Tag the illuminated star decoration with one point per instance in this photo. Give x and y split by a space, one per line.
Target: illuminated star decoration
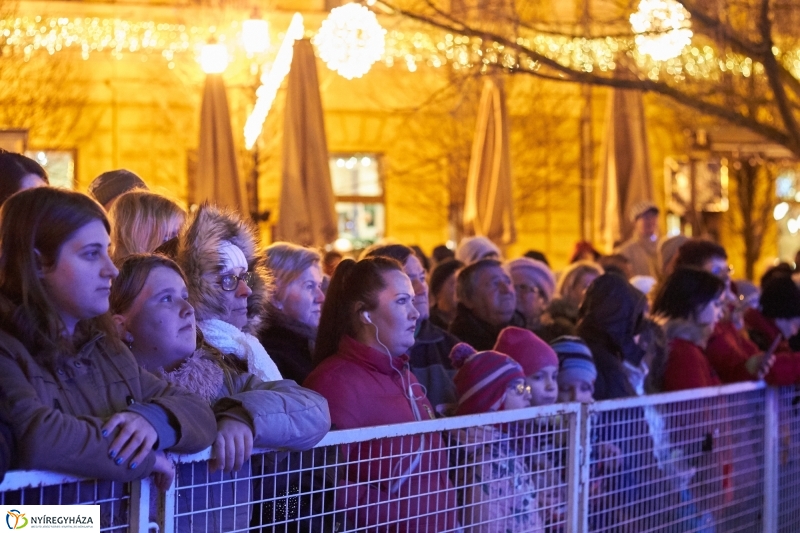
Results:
662 28
350 40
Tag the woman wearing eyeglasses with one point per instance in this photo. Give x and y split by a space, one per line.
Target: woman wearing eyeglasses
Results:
218 252
228 289
499 491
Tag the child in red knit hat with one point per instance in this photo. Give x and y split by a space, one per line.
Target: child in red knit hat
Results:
538 361
498 490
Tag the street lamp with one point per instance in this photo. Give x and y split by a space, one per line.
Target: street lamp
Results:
214 57
255 34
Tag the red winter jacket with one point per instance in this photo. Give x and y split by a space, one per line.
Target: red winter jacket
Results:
687 366
762 330
728 351
398 484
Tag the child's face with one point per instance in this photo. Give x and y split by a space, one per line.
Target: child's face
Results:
544 387
575 390
518 396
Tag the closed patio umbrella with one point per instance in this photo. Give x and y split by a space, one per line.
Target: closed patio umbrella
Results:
217 180
488 210
625 176
307 213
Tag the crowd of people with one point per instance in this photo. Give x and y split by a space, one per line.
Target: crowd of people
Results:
130 328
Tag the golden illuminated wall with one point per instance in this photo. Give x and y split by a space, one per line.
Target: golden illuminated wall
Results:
138 113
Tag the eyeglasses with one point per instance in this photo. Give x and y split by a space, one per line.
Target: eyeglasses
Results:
723 272
229 282
521 388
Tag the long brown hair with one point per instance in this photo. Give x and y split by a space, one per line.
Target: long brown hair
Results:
133 273
354 288
40 221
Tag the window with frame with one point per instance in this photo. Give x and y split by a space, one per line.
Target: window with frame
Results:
360 206
59 164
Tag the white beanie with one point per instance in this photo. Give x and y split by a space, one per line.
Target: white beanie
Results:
473 249
231 257
644 284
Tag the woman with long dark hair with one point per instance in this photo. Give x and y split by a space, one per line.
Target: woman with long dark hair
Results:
18 173
688 305
367 326
69 384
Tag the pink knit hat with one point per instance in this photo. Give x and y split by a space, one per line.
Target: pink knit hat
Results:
482 378
527 349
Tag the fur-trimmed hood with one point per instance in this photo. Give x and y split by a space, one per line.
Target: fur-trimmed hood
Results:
198 255
678 328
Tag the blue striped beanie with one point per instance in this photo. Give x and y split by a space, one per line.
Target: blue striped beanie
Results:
575 361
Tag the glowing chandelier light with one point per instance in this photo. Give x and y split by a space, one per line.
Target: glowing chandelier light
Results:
350 40
271 81
662 28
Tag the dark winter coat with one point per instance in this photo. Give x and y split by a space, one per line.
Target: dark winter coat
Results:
479 334
611 316
288 343
430 362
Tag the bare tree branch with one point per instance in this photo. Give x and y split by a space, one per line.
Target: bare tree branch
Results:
568 74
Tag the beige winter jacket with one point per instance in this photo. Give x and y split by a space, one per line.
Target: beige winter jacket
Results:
57 414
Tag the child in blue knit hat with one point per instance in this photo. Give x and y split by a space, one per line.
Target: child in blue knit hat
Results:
576 370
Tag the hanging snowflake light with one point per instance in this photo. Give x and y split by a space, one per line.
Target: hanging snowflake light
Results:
662 28
350 40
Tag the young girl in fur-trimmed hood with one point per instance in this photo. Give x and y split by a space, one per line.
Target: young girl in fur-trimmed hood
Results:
228 285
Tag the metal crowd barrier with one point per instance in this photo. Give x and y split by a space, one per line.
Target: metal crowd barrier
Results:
712 460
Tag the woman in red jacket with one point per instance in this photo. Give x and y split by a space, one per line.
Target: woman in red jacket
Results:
688 305
367 325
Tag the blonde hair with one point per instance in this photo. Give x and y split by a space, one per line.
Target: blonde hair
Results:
286 261
141 221
573 274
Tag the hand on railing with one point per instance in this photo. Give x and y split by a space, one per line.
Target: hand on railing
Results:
163 472
233 446
135 439
759 365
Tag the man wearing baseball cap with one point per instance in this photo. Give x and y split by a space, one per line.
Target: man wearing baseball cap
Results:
642 248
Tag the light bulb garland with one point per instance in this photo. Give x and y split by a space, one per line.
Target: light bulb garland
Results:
405 49
350 40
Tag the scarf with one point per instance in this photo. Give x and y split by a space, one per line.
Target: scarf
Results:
197 374
231 340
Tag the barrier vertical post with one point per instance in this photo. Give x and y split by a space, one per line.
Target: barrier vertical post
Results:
574 471
771 454
140 506
580 496
166 508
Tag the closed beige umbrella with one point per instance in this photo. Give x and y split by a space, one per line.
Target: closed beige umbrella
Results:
625 177
488 210
307 213
217 180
